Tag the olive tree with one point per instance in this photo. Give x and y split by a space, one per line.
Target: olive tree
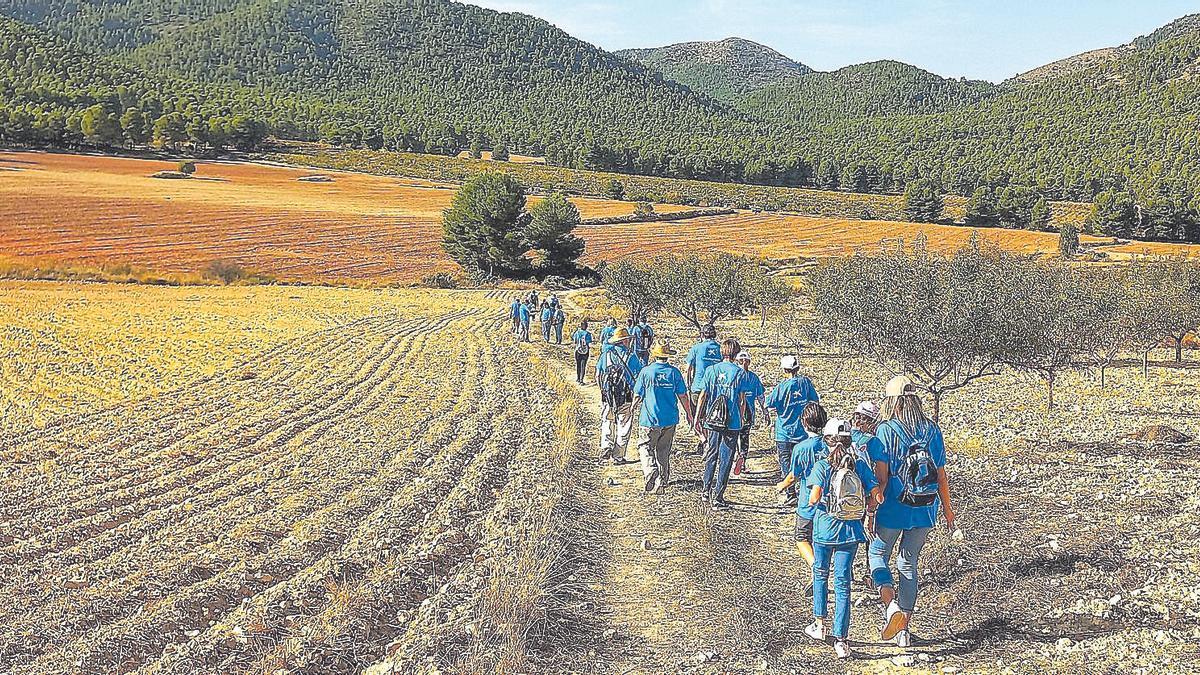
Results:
632 283
702 289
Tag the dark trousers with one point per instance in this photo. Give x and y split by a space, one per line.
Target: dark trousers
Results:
784 450
718 461
580 366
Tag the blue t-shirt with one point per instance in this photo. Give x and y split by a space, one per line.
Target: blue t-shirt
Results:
729 379
700 357
756 392
639 338
523 313
547 314
606 333
514 309
866 445
894 440
658 385
788 399
826 528
582 338
619 352
804 457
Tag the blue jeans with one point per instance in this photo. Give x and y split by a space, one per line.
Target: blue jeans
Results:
721 448
842 558
784 450
880 553
546 331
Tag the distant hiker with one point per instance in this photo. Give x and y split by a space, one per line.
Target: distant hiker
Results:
721 412
703 354
533 299
643 337
843 488
862 433
514 313
804 458
547 316
582 339
616 370
911 462
788 399
657 395
557 319
523 316
755 396
606 333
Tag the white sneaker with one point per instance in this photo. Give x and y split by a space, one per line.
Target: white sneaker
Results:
816 631
841 649
904 639
894 621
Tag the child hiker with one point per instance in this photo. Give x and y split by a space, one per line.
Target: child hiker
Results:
843 488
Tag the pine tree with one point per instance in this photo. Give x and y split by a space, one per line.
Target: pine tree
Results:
1068 240
923 201
482 227
551 233
981 208
1039 215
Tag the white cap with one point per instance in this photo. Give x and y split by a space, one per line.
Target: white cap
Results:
836 427
789 362
899 385
742 356
867 409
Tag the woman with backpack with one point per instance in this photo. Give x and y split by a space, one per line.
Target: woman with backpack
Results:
559 318
910 461
843 488
582 339
616 371
722 413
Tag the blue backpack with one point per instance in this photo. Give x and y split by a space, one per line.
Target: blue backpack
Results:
918 473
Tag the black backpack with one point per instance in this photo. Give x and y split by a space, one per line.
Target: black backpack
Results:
918 474
615 390
718 415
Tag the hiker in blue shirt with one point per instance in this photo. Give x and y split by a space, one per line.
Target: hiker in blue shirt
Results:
606 333
910 461
722 411
862 434
547 315
514 313
616 371
703 354
841 502
755 397
788 399
657 395
582 339
523 316
643 338
557 319
804 457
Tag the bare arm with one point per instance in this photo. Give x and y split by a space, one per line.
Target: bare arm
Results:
881 476
787 482
814 497
691 375
686 402
699 414
944 493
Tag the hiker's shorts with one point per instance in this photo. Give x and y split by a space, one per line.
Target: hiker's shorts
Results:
804 529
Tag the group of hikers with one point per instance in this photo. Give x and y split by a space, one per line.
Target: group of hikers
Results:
548 312
877 478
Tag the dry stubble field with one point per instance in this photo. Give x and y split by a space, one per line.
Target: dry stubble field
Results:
93 210
382 479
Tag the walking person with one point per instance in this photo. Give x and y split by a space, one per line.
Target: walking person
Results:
863 422
910 461
524 315
643 338
547 317
616 370
700 357
788 400
657 395
582 339
804 457
514 313
721 411
558 318
843 489
755 396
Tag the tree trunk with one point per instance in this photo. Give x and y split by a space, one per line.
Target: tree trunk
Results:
1050 392
937 403
1146 365
1102 369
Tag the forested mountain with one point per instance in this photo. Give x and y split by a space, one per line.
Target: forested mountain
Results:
438 76
878 88
726 69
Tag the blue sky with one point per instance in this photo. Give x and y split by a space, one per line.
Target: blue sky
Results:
983 39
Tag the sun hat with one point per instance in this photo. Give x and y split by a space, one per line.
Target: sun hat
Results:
836 427
662 351
867 409
789 362
899 386
742 356
619 335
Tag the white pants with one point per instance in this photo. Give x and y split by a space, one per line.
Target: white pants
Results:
615 430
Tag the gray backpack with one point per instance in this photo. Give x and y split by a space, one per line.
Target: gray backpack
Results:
846 498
